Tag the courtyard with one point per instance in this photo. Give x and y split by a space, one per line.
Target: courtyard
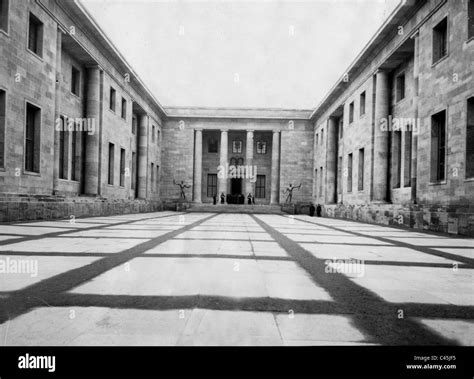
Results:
170 278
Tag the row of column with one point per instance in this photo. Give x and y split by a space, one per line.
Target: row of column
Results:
93 141
224 159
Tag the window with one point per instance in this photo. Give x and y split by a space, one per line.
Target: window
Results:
75 81
158 136
124 108
261 147
360 175
321 181
470 139
349 173
134 124
440 40
260 187
74 157
63 149
4 15
397 159
3 120
470 18
317 139
32 138
112 99
351 112
111 164
339 175
407 159
316 182
237 146
362 104
152 177
122 167
157 178
341 127
211 185
400 87
153 133
438 146
322 136
35 35
134 170
213 146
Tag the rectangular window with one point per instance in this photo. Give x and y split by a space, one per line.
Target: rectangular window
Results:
400 87
63 151
470 19
440 40
237 147
35 35
360 174
339 175
75 81
74 157
134 124
122 167
321 181
470 139
341 127
397 159
3 124
351 113
316 182
158 136
157 178
153 133
260 187
152 180
317 139
134 170
407 159
362 104
124 108
112 99
211 185
438 147
32 138
111 164
349 173
4 15
261 147
322 137
213 146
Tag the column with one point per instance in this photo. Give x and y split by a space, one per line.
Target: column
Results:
275 188
249 185
381 138
142 156
416 128
222 184
331 161
197 185
57 111
91 185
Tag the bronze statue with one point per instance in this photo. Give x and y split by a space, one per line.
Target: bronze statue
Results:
182 187
289 191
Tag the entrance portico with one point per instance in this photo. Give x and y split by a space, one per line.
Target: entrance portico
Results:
236 162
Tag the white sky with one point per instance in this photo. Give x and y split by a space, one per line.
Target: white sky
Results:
285 54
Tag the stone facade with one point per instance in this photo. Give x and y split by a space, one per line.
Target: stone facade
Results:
388 144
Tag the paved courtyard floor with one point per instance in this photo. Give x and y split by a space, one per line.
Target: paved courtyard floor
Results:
232 279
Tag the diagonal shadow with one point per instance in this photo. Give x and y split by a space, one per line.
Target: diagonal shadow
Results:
422 249
371 314
75 230
32 296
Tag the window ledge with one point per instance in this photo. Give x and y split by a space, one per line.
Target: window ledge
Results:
31 173
469 40
35 55
2 31
466 180
441 182
442 59
78 97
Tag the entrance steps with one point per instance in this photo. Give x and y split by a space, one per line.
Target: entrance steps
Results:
236 208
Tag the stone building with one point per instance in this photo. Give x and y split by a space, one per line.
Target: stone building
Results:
392 142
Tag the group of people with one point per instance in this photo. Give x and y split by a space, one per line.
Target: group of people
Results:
250 199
